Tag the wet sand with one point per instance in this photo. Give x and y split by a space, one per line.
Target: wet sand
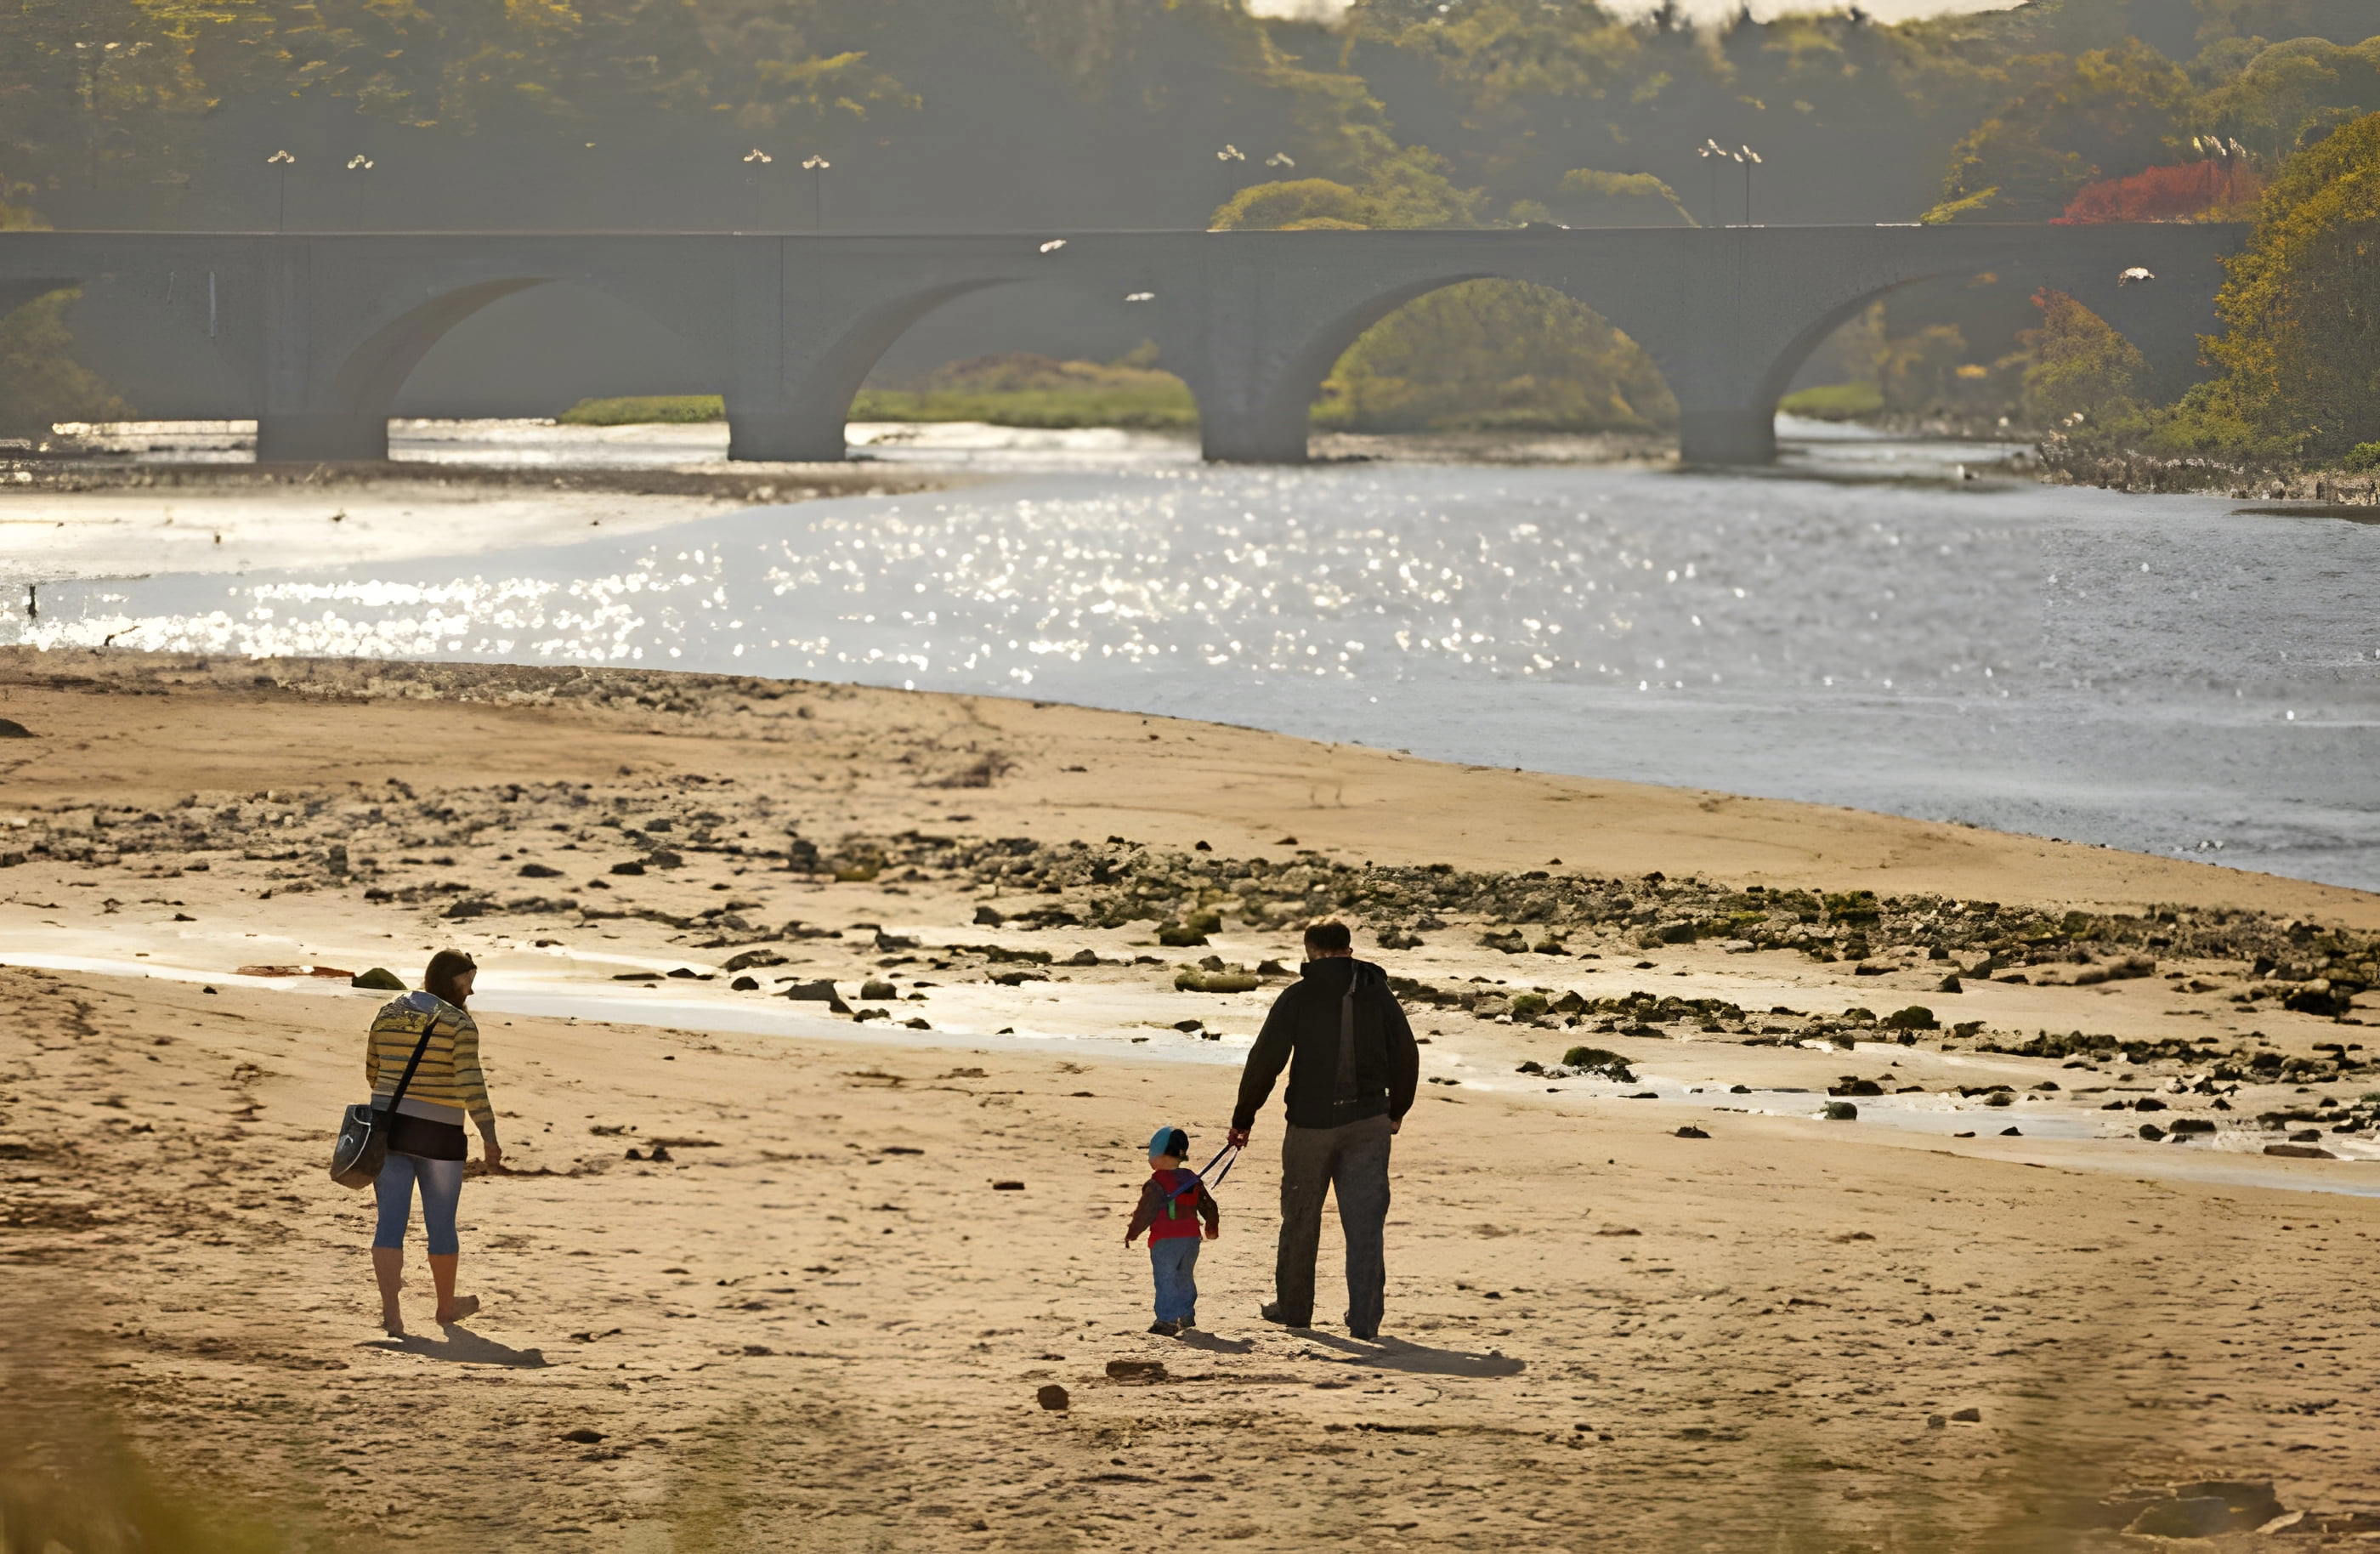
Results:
819 1324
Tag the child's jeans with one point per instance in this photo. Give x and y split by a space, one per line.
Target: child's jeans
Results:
1174 1261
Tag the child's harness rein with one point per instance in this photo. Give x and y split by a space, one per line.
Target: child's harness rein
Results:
1198 1178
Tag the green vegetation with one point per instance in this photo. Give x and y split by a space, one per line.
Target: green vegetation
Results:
2078 368
1014 390
1834 402
2300 354
638 409
1499 355
68 1481
40 383
2298 358
2070 120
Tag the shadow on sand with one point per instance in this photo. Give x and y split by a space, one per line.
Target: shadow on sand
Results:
1395 1354
460 1346
1198 1338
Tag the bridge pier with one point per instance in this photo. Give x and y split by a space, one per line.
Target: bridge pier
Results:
1241 434
784 434
321 437
1727 434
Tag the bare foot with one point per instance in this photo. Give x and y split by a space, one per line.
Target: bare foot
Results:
464 1305
392 1322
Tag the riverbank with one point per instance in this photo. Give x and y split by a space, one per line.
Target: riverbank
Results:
785 1326
2148 472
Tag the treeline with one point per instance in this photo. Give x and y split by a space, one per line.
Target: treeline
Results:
922 113
1076 112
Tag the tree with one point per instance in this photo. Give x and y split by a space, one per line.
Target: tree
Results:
1588 198
2283 90
2106 113
2212 190
2300 354
1405 190
1496 354
40 383
2079 367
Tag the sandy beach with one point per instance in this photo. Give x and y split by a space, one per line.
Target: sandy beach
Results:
754 1281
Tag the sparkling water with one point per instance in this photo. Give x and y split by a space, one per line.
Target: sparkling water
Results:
2163 674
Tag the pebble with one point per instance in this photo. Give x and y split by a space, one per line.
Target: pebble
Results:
1053 1398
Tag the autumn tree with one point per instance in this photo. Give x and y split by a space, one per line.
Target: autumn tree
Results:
2299 353
2105 114
2214 189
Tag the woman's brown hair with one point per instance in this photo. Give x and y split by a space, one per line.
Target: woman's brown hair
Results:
446 969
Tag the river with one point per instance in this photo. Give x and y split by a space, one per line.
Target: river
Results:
1865 628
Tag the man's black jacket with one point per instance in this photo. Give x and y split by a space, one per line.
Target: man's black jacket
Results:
1303 1031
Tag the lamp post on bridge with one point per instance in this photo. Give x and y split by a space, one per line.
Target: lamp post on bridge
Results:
1713 152
816 166
1225 159
281 161
359 164
1710 150
754 160
2227 155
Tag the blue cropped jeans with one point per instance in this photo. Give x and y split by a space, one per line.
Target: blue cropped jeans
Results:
1174 1262
441 1189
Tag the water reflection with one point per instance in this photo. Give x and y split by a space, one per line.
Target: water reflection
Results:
2149 673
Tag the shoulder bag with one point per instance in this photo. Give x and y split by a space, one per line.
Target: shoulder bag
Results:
362 1145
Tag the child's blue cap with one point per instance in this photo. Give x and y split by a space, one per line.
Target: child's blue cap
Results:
1169 1141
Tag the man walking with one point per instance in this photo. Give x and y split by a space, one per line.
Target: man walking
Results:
1351 1070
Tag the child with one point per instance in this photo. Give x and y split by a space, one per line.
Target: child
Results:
1172 1204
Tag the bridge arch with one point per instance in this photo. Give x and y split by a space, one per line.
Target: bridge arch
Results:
2162 325
1265 417
1258 408
798 413
333 404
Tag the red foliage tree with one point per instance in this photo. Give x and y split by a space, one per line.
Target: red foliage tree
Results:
2186 191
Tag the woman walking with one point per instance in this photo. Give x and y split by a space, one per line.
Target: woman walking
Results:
426 1146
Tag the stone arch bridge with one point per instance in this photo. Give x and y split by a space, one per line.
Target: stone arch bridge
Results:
321 330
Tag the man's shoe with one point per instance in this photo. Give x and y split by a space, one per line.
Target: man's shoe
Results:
1273 1313
1165 1329
1371 1337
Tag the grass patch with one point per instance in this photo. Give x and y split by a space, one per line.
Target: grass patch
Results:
1834 402
1018 389
642 409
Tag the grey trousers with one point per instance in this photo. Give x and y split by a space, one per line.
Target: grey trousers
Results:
1353 1160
